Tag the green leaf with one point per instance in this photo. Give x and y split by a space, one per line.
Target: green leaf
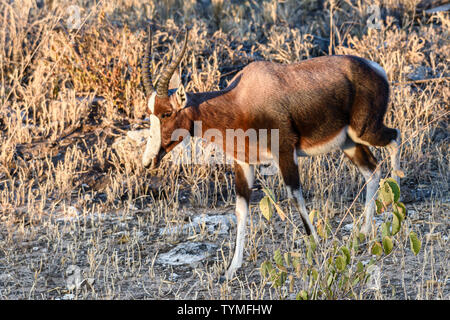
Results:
346 252
323 228
355 244
380 207
414 242
278 258
287 258
315 274
398 211
361 237
330 261
340 263
266 269
394 187
309 256
385 229
401 209
377 249
359 267
330 280
266 208
302 295
396 224
272 199
385 194
387 244
312 243
270 194
280 279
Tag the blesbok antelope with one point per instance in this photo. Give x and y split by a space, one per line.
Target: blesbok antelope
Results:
317 105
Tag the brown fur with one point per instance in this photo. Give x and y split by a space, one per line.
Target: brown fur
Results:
309 102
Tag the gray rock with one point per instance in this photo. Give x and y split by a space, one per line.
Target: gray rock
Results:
379 219
139 136
418 73
442 8
129 148
187 253
212 224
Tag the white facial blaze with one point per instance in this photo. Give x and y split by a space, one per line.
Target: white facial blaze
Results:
153 141
151 103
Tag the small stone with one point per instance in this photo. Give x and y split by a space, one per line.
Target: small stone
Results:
139 136
72 211
418 73
187 253
212 224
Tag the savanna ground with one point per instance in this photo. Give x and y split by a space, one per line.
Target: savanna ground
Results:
73 194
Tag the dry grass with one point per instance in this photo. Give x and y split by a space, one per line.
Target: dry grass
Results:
73 191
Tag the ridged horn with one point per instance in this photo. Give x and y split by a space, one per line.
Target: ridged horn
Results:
162 89
146 66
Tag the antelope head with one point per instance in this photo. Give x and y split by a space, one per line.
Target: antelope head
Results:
163 105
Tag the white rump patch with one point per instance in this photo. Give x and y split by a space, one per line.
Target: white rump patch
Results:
153 141
151 103
378 69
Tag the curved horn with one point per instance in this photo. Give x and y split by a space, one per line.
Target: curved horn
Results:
162 89
146 65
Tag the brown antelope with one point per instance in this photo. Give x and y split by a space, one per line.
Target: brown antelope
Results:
317 105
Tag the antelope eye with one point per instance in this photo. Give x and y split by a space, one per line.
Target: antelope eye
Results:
166 115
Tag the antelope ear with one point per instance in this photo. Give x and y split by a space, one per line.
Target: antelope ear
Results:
181 97
175 81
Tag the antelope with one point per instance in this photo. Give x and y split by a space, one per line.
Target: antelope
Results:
317 105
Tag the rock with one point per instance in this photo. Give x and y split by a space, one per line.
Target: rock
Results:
187 253
130 148
139 136
413 214
215 223
71 213
418 73
379 219
174 277
442 8
421 194
348 227
74 278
